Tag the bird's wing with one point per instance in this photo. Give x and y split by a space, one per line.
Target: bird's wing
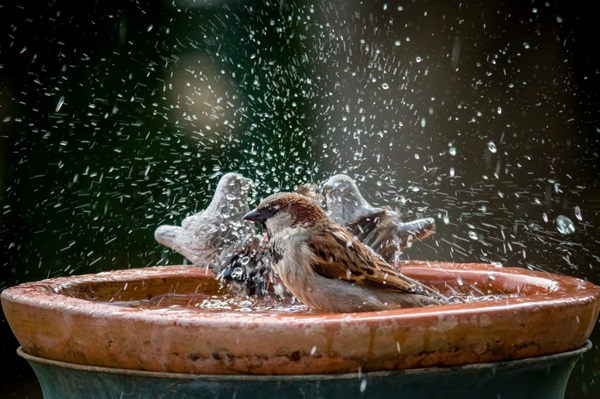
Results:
387 235
352 261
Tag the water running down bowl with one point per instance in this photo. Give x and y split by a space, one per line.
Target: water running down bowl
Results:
87 320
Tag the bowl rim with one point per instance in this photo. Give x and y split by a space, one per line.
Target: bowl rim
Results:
101 334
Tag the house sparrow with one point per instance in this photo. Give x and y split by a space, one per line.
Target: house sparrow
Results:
324 266
211 237
250 273
380 228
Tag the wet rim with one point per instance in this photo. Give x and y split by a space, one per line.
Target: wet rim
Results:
534 289
53 325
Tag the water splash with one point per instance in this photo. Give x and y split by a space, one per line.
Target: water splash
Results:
215 303
578 214
564 225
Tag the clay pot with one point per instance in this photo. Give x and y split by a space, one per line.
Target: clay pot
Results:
88 320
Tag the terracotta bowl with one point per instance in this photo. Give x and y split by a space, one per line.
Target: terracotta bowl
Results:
90 320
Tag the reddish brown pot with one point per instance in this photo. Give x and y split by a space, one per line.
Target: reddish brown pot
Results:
71 319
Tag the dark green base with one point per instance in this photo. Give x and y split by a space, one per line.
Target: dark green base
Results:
541 378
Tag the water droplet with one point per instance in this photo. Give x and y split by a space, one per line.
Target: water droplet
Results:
237 273
363 385
492 147
398 42
545 217
60 103
564 225
578 214
452 151
534 227
472 235
385 86
451 172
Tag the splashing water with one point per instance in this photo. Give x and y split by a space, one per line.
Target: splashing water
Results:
564 225
215 304
137 131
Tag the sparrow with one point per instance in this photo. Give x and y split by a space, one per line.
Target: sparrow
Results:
326 267
249 272
210 238
381 229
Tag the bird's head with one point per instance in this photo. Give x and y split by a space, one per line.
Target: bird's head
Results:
286 210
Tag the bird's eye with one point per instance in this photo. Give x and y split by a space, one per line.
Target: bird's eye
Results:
271 210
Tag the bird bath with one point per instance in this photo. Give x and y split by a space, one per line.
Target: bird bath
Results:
104 333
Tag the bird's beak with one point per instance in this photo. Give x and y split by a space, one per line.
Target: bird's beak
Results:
255 216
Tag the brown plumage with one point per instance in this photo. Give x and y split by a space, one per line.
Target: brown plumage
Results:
323 265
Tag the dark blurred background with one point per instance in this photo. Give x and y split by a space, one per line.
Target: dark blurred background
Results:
118 116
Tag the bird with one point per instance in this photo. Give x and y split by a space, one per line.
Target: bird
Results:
381 229
249 272
327 268
210 238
